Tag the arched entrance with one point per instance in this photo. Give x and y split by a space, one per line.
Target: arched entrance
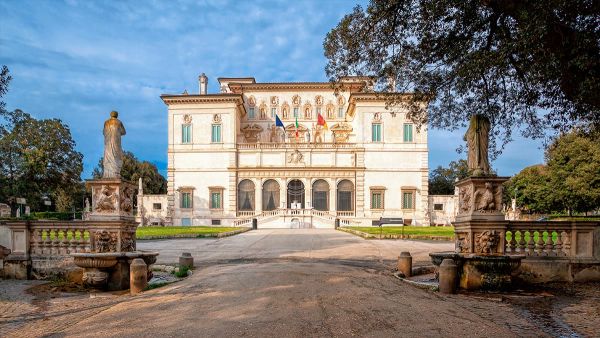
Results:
295 193
270 195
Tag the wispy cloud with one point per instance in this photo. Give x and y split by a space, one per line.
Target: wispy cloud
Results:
78 60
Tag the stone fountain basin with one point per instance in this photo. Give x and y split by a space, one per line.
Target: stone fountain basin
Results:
104 260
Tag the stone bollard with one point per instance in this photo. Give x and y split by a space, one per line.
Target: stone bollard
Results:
405 263
138 276
186 259
447 276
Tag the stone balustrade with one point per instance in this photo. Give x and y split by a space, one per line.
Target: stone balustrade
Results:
43 248
345 213
266 145
578 239
51 238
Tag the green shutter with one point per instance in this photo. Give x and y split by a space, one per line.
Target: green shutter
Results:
186 133
408 133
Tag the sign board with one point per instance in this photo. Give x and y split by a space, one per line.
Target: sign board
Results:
27 211
21 200
47 202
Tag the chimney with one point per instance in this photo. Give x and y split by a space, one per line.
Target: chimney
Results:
203 83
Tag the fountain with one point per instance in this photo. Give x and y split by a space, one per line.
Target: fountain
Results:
480 230
112 224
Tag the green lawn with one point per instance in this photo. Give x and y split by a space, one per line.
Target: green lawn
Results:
149 232
408 230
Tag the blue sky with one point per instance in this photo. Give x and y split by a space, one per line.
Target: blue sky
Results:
78 60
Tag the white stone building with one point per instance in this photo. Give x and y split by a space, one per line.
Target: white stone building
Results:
228 163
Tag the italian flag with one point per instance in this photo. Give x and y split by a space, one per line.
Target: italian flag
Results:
297 126
321 121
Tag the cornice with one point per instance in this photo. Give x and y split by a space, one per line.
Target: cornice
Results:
208 98
294 86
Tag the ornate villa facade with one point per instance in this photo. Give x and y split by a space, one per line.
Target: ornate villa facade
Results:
229 163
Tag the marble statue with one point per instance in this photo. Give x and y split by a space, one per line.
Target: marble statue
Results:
477 137
113 153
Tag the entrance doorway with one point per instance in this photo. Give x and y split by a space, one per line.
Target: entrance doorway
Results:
295 194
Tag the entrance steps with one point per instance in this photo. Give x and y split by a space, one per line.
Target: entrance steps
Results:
295 219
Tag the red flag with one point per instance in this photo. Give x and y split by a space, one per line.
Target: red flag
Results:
321 121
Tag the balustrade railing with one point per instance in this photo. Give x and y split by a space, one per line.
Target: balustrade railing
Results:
345 213
553 239
295 145
535 239
55 239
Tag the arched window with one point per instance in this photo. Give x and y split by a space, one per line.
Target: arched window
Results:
320 195
345 196
270 195
246 195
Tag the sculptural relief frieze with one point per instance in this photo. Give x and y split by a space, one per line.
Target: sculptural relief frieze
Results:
486 242
295 157
126 200
486 199
105 241
106 200
463 243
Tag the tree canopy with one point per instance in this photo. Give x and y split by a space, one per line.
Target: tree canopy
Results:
441 180
37 159
570 181
133 169
534 64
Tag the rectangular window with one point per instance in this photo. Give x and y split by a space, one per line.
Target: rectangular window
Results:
437 206
156 206
408 132
340 112
407 200
376 199
186 133
216 133
215 200
186 222
295 112
376 132
216 222
251 113
186 200
318 110
273 112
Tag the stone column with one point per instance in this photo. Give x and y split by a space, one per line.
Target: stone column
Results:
258 195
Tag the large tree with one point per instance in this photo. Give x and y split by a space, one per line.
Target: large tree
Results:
533 190
574 163
441 180
522 63
133 169
37 159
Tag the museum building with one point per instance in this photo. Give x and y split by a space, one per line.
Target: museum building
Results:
297 154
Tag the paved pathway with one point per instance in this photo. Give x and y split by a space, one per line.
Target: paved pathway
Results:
275 283
303 244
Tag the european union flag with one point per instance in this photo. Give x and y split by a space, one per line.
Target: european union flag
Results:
278 122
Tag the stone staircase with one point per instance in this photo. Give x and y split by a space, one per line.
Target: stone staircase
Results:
295 218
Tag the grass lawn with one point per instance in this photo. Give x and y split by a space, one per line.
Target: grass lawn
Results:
408 230
149 232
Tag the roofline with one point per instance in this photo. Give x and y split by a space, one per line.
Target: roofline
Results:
198 98
229 79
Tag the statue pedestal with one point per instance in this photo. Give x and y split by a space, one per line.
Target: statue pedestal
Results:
480 198
112 200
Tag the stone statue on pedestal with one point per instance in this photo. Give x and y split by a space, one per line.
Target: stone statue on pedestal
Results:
113 153
477 138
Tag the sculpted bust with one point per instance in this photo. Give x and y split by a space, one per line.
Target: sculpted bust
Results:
113 153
